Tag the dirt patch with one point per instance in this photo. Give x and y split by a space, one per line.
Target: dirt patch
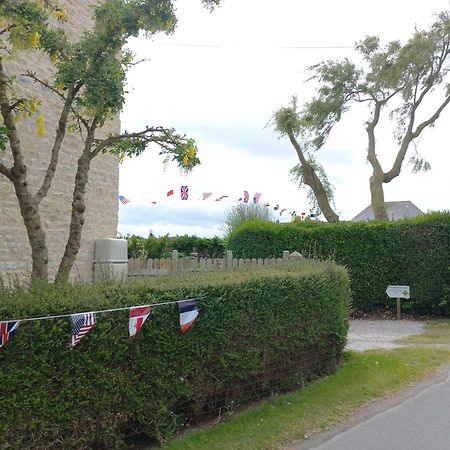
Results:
369 334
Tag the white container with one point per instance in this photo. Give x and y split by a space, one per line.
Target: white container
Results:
111 259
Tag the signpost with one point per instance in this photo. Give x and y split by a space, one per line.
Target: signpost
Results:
398 292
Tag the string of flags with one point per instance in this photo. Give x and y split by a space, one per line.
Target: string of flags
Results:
82 323
184 195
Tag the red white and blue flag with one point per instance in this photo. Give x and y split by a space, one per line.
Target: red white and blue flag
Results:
6 329
184 193
188 313
169 193
81 325
123 199
256 198
138 315
246 196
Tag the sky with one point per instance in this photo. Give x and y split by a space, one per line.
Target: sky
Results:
220 77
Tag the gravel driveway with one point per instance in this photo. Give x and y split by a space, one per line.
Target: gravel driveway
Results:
367 334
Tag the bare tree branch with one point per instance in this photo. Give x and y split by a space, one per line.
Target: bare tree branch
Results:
59 138
6 172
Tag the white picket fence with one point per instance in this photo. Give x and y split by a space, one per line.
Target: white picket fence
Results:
141 267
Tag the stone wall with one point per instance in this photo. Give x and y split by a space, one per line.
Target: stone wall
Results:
101 200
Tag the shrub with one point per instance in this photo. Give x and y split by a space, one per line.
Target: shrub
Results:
413 252
259 331
161 247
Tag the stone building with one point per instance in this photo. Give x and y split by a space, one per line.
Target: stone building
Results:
101 199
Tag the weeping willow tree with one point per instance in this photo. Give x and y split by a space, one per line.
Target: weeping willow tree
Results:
287 122
408 84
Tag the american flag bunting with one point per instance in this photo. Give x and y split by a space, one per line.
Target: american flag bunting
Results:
81 325
123 199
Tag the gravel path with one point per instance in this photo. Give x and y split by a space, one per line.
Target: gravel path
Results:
367 334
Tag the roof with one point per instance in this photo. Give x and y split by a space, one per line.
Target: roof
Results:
395 211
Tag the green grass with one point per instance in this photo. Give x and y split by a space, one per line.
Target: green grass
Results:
279 421
436 333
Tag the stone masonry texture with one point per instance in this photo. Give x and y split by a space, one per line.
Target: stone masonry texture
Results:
101 199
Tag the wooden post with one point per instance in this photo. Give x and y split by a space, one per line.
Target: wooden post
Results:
174 261
229 259
285 255
399 311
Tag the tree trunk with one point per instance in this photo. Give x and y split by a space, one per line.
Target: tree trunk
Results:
77 217
377 198
312 180
29 210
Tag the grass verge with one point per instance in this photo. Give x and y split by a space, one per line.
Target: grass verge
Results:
436 333
279 421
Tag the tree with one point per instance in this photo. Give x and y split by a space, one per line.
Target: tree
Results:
287 121
395 79
89 82
243 212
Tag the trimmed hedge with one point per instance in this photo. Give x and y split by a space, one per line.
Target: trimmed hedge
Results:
259 331
411 252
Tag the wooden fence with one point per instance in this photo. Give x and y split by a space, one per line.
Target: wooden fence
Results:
142 267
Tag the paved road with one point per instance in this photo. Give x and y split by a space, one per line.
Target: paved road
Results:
418 419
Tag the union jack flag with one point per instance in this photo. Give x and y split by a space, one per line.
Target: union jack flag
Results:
81 325
6 329
184 193
123 199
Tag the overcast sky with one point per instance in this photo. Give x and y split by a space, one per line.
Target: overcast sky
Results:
220 77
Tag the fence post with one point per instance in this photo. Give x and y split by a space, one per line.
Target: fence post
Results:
285 256
229 259
174 261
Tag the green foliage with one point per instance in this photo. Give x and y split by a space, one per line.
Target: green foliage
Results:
413 252
243 212
408 73
108 388
161 247
297 174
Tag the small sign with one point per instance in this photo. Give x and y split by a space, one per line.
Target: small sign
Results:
398 291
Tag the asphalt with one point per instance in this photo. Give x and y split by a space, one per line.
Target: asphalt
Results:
416 419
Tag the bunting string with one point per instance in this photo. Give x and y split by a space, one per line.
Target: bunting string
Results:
60 316
184 194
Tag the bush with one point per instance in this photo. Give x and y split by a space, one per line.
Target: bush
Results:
259 331
413 252
161 247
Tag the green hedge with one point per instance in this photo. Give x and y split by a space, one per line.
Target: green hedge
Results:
377 254
259 331
161 247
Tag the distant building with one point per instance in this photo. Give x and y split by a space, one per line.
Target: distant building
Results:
395 211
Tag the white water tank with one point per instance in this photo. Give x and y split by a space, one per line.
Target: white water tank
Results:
111 259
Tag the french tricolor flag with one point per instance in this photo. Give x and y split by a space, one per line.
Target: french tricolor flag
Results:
138 314
188 313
